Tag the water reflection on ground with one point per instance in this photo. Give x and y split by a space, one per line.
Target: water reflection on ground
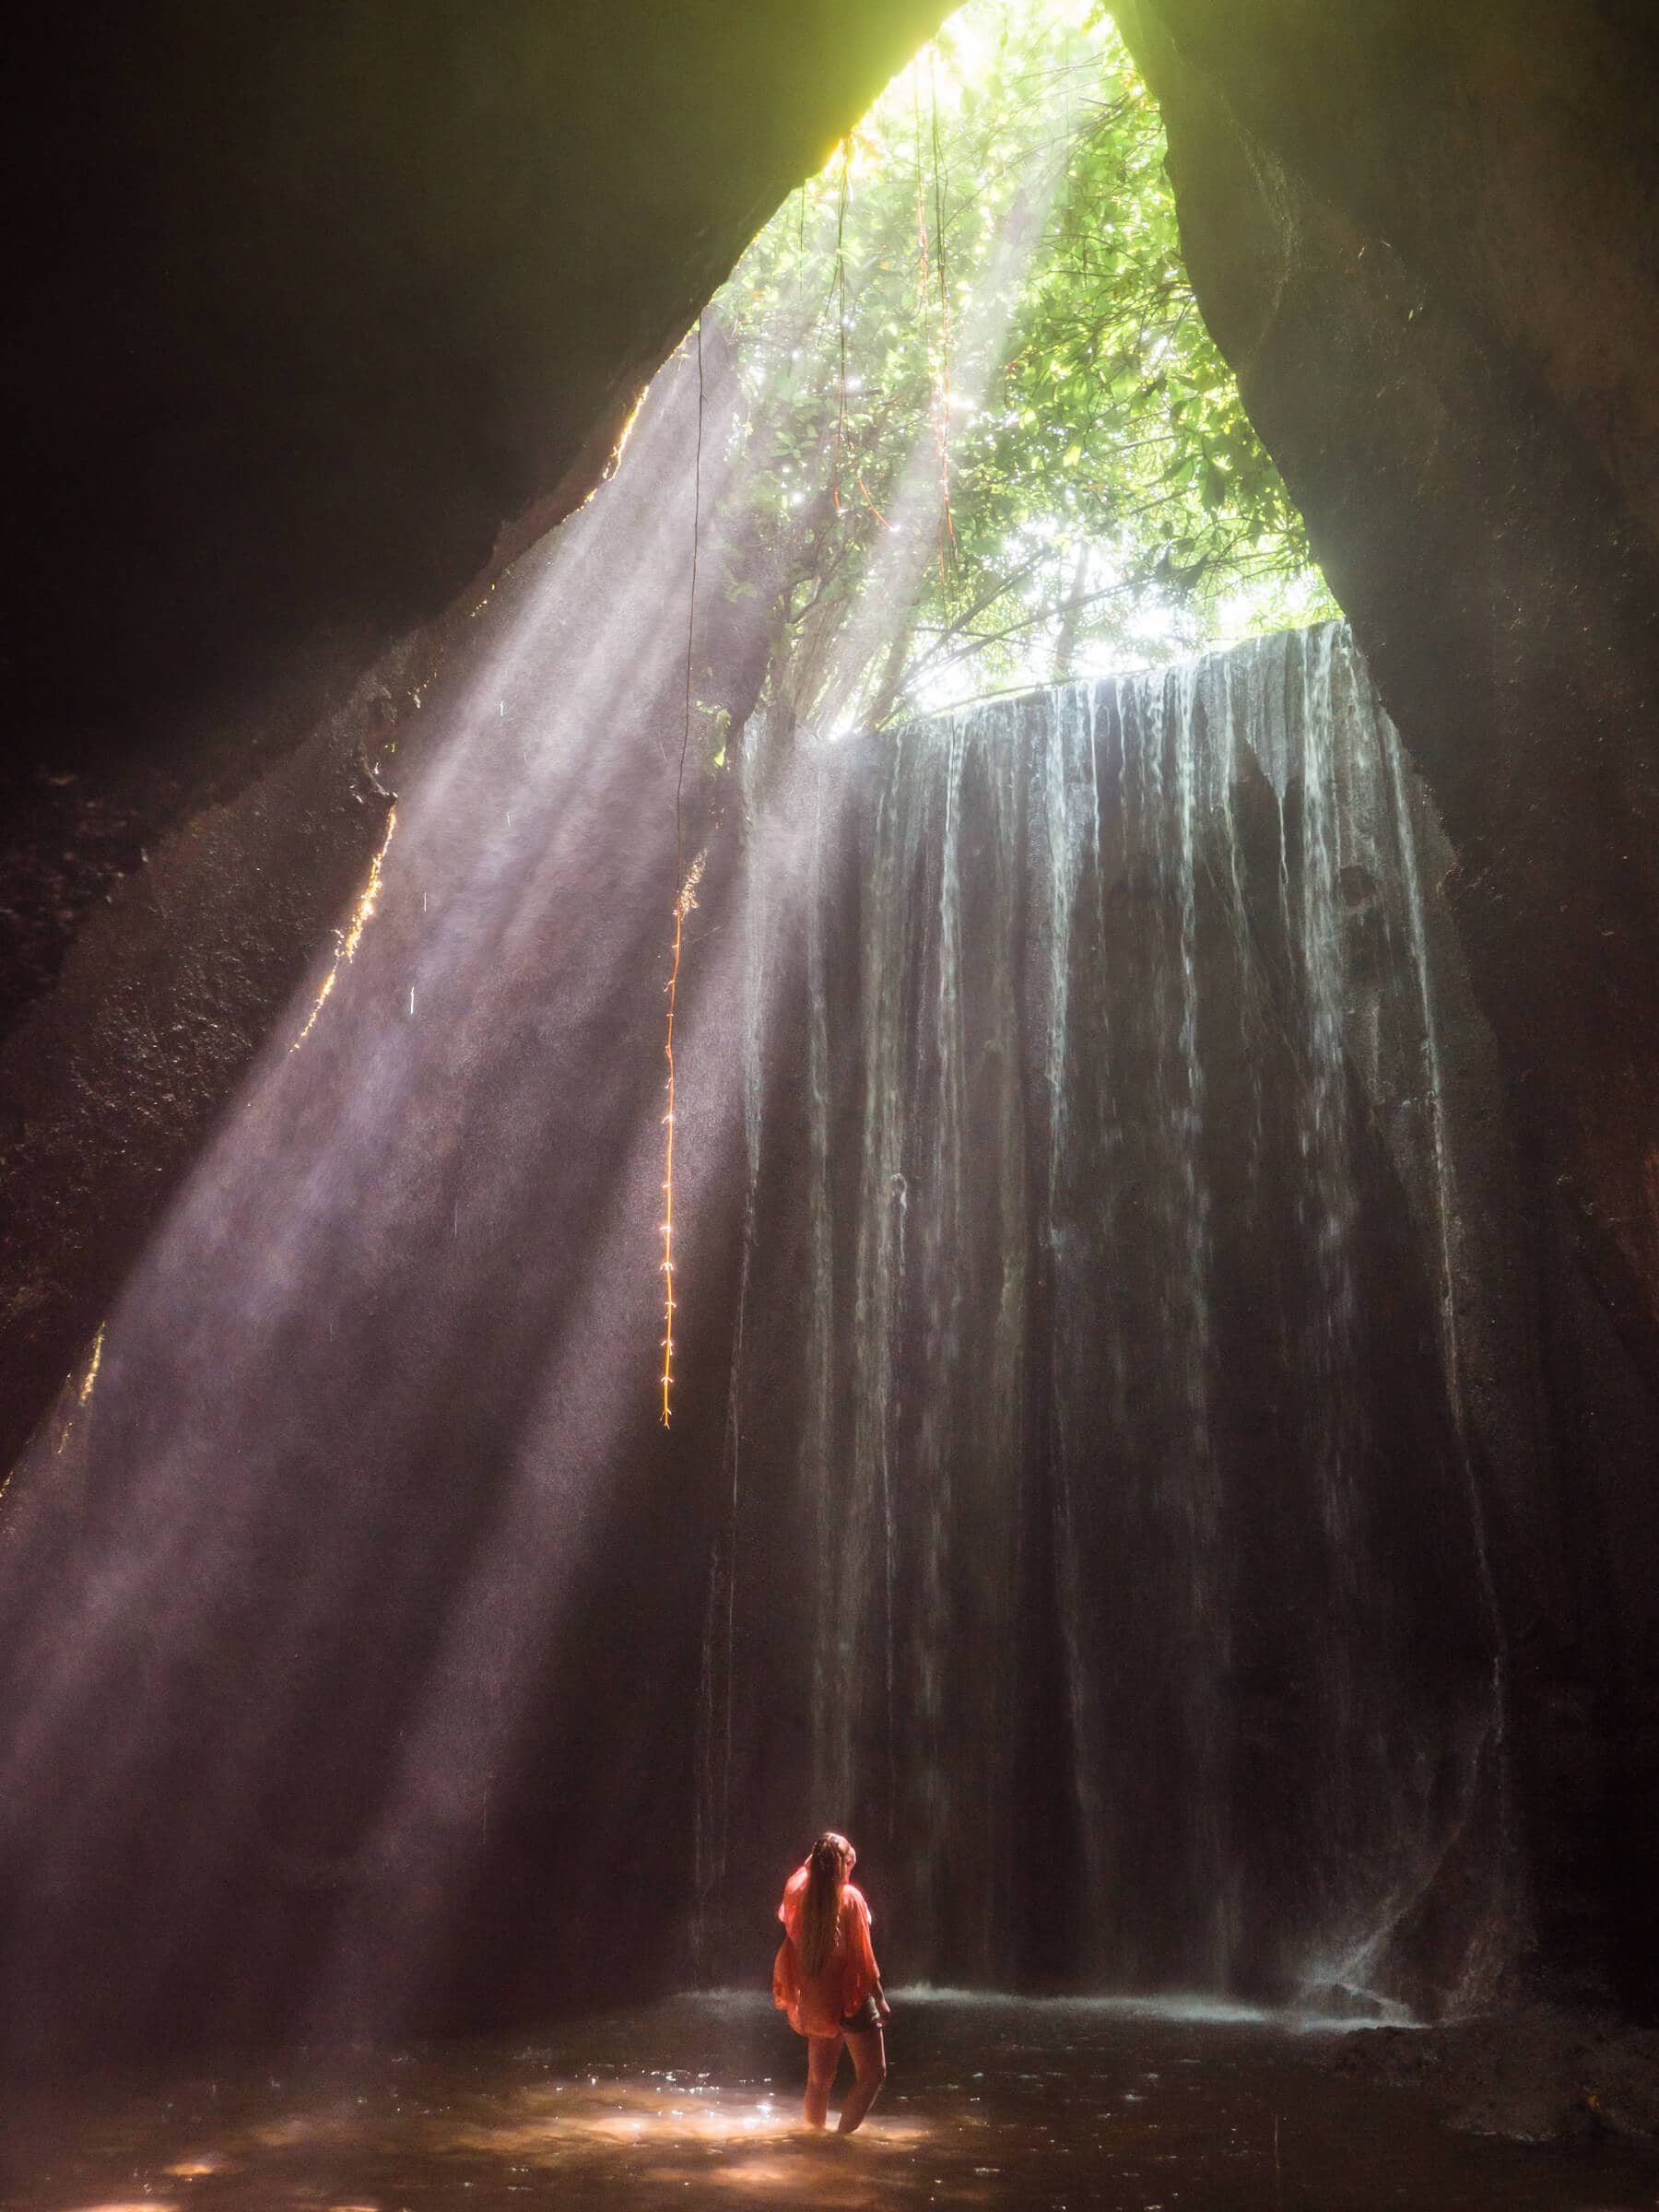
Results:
695 2102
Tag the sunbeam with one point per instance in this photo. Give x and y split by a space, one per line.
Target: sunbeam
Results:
384 1528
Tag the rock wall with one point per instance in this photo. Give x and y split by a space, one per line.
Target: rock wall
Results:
315 317
1425 240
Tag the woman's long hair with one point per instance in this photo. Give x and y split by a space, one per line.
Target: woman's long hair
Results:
827 1865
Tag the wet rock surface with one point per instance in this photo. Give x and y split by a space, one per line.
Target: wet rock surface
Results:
695 2102
1453 361
1544 2074
1425 243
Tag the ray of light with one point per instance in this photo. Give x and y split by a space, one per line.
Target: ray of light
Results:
916 523
364 1427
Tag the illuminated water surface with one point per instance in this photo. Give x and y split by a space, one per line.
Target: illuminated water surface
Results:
694 2101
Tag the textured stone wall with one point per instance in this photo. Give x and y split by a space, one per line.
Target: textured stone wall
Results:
315 316
1426 240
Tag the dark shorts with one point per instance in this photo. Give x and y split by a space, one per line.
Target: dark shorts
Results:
862 2021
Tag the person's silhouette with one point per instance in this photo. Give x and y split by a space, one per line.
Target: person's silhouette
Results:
825 1977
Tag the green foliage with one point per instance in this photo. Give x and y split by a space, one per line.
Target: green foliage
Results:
978 392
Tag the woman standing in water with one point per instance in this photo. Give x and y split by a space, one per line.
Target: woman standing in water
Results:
825 1977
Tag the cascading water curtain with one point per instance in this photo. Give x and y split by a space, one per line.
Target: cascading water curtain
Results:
1106 1437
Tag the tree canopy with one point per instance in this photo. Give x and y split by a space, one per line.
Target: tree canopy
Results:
983 438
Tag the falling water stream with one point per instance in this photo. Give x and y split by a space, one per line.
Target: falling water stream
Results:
1143 1596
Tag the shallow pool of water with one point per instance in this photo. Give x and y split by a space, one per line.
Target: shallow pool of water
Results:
694 2101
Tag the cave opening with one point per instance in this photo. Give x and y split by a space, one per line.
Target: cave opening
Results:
1066 1429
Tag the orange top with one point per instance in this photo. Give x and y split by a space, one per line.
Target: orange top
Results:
817 2004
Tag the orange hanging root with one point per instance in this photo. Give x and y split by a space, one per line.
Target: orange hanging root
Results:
679 923
683 905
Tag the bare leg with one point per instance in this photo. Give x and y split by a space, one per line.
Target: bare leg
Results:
870 2060
823 2055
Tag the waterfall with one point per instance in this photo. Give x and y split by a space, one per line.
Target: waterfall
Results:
1109 1431
1076 1487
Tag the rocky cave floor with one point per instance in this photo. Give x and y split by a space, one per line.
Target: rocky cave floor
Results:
990 2101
